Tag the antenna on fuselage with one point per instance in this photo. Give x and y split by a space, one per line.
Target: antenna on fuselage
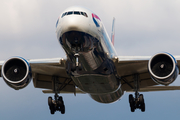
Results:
113 31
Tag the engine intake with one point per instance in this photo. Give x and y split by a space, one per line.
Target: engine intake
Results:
16 72
163 68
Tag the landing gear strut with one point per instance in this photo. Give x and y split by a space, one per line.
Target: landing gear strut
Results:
77 65
138 101
57 104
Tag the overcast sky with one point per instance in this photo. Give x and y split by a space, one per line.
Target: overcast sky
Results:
143 27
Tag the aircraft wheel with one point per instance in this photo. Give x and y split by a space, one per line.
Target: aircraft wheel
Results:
132 103
141 99
61 105
50 101
143 107
142 104
52 111
60 98
51 105
131 98
62 109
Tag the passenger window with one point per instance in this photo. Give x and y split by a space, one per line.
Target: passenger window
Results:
76 12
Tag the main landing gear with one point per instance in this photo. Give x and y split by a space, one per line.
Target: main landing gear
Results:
138 101
57 104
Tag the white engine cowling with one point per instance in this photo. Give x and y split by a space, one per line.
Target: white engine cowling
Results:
16 72
163 68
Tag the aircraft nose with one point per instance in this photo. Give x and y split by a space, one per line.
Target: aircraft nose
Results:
74 23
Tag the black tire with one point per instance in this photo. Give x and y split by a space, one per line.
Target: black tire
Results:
131 98
51 105
132 103
62 109
143 108
132 108
50 101
52 111
141 99
60 98
61 102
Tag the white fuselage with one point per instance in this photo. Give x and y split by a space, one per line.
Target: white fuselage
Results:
81 32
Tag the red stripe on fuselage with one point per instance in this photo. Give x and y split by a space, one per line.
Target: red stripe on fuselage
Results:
95 16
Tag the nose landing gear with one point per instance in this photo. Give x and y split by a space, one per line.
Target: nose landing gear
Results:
77 65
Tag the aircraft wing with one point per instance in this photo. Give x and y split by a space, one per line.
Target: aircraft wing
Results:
43 71
157 88
129 66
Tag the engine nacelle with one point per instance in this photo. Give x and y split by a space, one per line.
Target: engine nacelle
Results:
163 68
16 72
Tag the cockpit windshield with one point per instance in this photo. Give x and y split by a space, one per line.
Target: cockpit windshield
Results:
74 13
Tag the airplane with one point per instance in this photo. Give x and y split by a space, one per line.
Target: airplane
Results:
91 66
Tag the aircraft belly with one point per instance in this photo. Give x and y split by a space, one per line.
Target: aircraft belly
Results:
96 83
108 97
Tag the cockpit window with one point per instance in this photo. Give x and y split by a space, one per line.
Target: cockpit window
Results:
69 13
85 14
63 14
57 22
74 13
82 13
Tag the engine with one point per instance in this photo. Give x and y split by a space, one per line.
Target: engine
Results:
163 68
16 72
